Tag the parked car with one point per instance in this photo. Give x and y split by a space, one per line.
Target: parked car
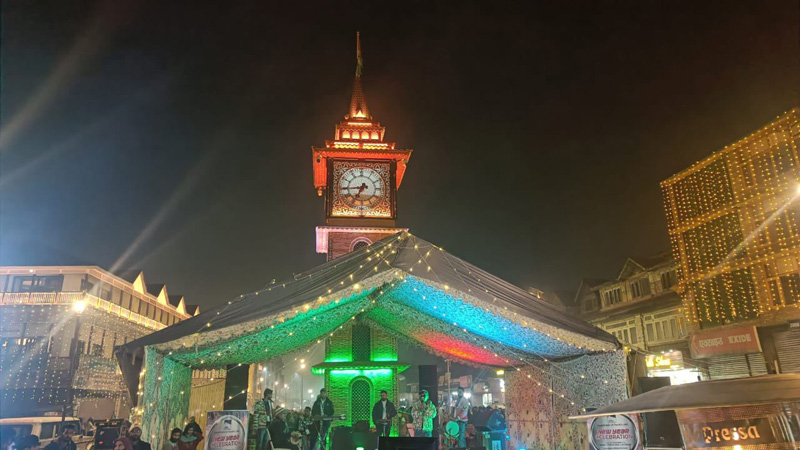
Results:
46 428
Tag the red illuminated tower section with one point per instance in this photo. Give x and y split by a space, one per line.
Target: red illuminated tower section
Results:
358 173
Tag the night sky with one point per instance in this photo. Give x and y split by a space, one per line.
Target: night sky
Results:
176 137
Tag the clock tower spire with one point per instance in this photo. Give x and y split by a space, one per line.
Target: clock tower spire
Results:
358 174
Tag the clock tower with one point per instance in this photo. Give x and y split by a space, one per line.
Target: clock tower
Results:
358 174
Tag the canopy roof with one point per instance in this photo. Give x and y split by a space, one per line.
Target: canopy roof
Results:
709 394
403 285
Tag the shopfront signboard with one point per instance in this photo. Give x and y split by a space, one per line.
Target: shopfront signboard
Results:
732 341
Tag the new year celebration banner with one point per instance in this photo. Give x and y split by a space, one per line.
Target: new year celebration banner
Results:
620 432
227 430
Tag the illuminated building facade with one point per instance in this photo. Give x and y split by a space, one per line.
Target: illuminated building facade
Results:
734 224
358 174
641 308
37 307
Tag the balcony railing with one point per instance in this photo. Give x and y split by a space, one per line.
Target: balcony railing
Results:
68 298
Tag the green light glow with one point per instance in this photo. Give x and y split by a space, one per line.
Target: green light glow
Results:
370 373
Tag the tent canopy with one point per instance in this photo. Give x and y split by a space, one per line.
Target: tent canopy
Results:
403 285
708 394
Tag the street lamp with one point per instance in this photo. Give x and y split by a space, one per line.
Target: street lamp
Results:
77 307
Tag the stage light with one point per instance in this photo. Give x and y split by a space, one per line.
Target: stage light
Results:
500 372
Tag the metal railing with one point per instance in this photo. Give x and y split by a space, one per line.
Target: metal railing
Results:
68 298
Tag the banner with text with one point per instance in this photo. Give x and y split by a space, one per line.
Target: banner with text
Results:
227 430
619 432
732 341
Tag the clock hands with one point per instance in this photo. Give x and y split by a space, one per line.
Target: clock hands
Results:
360 189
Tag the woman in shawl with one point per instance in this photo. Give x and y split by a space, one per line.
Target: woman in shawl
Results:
192 435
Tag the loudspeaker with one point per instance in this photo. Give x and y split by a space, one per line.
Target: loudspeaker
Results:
661 428
488 420
236 382
429 380
361 426
366 440
342 438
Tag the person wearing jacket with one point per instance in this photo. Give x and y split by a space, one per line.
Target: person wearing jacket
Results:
382 414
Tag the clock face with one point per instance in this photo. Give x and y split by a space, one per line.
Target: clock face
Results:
361 188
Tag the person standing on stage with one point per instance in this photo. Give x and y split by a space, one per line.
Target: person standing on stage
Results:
262 416
461 414
322 412
423 412
382 414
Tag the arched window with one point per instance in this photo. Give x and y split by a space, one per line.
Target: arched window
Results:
364 135
360 402
345 134
359 244
375 135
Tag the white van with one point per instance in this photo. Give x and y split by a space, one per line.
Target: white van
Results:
47 428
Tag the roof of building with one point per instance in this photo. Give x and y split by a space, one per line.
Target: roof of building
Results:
192 309
155 288
129 275
403 285
175 299
709 394
652 261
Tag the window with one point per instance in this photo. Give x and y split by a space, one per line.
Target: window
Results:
634 339
640 287
374 135
359 245
659 331
650 332
135 305
613 296
126 300
345 134
673 325
669 279
105 292
33 283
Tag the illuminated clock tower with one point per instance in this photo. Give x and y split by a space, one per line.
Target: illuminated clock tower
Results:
358 174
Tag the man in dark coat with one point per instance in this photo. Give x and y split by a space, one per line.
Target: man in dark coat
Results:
135 435
64 440
321 412
382 414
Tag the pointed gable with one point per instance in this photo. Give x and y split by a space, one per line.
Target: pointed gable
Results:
139 284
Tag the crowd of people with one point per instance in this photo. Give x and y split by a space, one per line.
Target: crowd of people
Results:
129 438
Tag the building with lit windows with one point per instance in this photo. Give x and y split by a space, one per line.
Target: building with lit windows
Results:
734 224
641 308
40 309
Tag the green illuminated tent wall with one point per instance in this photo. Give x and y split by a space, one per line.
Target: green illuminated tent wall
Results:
406 288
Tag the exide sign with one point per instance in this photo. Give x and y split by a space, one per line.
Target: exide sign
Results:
732 341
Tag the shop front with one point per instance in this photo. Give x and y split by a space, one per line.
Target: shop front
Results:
729 352
758 413
672 364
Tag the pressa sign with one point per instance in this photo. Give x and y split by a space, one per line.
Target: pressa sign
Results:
729 433
734 341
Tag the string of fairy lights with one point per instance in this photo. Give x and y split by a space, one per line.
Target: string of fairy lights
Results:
734 224
377 255
33 372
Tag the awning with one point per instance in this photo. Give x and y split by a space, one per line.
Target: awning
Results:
708 394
